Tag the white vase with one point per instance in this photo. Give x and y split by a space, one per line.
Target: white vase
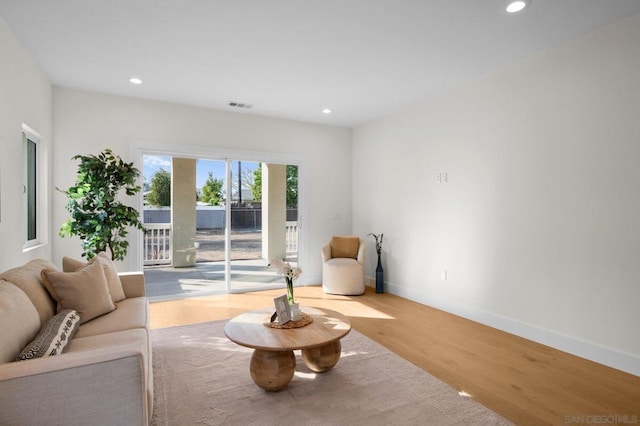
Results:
295 311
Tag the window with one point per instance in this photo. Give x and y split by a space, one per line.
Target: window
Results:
31 187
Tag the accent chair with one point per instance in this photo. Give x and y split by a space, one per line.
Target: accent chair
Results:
343 266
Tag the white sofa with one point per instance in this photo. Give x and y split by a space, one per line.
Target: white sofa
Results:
103 378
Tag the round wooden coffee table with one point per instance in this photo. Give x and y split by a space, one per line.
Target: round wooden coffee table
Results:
273 363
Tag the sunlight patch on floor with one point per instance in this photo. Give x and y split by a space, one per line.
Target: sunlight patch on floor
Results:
305 376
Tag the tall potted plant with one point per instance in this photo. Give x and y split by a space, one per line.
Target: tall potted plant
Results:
97 216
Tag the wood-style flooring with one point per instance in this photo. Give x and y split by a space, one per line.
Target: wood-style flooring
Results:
526 382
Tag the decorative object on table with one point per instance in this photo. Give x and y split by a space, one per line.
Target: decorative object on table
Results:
295 311
283 312
379 270
97 217
284 269
305 319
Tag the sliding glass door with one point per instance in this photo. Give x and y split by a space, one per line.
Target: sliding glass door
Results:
244 212
258 228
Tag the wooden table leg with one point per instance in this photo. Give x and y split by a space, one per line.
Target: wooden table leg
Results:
272 371
322 358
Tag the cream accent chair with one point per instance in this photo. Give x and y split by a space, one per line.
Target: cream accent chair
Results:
343 266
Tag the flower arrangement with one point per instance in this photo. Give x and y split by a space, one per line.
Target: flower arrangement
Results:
378 242
284 269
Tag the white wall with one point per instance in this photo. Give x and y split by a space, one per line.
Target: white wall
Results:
538 226
86 123
25 98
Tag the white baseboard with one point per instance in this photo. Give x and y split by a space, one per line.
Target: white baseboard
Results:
370 282
603 355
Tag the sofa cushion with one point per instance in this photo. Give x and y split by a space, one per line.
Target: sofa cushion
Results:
131 313
345 247
27 278
19 321
110 272
54 337
343 276
85 291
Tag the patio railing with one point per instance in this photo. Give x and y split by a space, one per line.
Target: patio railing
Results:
157 244
158 240
292 237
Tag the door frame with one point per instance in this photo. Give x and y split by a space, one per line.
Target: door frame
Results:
227 155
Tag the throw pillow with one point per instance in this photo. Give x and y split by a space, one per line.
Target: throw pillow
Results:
19 321
110 272
345 247
70 264
54 337
85 291
27 278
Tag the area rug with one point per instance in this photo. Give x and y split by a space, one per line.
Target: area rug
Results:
201 378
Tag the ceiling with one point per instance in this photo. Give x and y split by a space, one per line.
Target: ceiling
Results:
292 58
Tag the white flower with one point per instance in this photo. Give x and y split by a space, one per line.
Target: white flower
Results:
289 274
284 269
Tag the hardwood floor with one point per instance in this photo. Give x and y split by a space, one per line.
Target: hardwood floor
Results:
528 383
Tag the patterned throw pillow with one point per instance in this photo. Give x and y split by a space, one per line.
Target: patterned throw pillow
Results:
54 336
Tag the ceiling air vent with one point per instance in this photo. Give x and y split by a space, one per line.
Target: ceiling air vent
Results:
240 105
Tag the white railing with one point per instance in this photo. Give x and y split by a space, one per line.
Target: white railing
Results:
292 237
157 244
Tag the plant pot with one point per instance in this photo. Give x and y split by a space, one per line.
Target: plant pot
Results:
295 311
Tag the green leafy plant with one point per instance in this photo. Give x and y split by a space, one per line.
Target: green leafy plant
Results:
292 185
212 190
160 189
97 217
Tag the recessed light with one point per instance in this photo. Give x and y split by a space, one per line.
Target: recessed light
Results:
517 5
135 80
326 111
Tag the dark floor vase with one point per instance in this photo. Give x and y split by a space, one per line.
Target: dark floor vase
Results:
379 277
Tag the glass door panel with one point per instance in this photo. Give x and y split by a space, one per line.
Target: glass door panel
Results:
211 222
248 265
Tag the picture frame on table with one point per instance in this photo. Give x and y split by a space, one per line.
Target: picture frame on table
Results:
283 311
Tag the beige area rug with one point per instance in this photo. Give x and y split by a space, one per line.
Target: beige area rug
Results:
201 378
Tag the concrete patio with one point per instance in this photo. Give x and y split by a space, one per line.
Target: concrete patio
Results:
207 278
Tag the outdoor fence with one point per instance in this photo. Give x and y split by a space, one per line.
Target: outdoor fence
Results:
213 217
